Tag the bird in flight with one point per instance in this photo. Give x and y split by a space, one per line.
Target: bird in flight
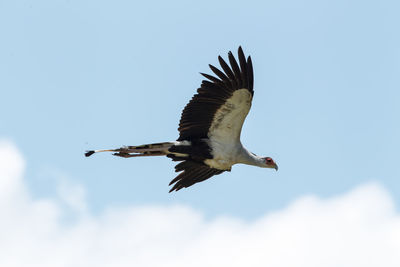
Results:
210 126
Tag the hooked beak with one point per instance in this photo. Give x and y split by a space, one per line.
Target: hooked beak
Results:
276 167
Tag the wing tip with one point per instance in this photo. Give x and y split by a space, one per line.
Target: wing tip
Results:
240 50
175 188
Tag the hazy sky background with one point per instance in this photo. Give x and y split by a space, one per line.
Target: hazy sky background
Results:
80 75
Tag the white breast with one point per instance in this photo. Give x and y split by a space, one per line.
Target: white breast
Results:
225 155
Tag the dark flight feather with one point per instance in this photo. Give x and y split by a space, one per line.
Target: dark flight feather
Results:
192 172
198 114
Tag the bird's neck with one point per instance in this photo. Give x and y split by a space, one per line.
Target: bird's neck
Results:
246 157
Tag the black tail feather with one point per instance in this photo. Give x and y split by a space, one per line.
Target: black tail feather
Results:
89 153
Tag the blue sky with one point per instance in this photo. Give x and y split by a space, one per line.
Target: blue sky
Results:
79 75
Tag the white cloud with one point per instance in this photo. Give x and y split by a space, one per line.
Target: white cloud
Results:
359 228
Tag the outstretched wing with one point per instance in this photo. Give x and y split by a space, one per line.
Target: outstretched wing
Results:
221 104
192 172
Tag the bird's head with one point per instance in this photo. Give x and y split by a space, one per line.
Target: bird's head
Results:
270 163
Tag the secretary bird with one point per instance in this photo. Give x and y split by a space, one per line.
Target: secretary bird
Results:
209 129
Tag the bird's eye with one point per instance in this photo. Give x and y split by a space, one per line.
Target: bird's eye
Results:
268 160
